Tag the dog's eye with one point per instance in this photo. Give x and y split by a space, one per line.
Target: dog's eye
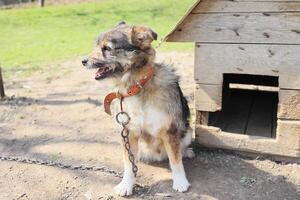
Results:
106 48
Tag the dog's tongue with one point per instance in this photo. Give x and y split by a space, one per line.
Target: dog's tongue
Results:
100 73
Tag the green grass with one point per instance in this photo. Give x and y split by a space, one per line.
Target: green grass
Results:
33 35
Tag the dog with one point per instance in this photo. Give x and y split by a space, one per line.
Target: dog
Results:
159 114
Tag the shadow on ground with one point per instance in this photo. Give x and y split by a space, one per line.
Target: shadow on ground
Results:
212 174
27 101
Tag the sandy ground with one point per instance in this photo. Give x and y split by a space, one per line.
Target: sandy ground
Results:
58 115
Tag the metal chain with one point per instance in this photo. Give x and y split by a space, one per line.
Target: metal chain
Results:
61 165
70 167
125 135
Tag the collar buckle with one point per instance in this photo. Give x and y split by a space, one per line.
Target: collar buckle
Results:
139 85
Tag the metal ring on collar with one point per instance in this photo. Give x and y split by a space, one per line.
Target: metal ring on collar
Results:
124 121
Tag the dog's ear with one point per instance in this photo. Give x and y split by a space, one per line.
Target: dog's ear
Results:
142 36
121 23
154 34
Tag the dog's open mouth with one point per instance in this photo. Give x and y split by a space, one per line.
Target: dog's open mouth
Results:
103 72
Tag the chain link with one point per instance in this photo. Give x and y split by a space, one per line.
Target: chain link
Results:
125 136
70 167
61 165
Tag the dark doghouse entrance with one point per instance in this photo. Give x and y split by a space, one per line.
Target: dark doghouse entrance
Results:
249 105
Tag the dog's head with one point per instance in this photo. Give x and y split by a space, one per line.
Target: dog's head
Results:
121 49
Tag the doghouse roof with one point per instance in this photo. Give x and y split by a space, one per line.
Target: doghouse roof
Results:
239 22
174 35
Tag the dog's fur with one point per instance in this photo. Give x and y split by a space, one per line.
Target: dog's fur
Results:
159 126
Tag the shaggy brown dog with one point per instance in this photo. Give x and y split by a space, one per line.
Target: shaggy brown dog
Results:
159 126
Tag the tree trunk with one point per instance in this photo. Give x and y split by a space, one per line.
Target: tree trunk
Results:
42 3
2 94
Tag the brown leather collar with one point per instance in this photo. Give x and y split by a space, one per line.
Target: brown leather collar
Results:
132 90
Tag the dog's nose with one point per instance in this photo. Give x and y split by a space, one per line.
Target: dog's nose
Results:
84 61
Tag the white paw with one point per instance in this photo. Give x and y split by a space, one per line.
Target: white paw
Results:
189 153
124 188
181 184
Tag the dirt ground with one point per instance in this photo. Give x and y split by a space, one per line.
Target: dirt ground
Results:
58 115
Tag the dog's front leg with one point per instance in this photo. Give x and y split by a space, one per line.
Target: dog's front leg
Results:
124 188
173 147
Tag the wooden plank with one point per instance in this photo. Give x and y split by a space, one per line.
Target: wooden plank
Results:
254 87
208 97
287 143
236 111
181 20
288 134
202 117
289 104
274 126
246 112
261 116
212 60
263 0
274 119
211 6
253 28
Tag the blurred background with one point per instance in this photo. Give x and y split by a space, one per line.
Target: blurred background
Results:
31 35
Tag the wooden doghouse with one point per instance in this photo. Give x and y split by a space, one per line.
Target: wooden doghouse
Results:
247 74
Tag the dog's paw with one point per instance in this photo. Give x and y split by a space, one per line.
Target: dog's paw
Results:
189 153
123 188
181 184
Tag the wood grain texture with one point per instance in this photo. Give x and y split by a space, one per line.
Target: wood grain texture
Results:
286 144
246 112
253 28
202 117
288 134
212 6
208 97
235 111
260 120
212 60
289 104
263 0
